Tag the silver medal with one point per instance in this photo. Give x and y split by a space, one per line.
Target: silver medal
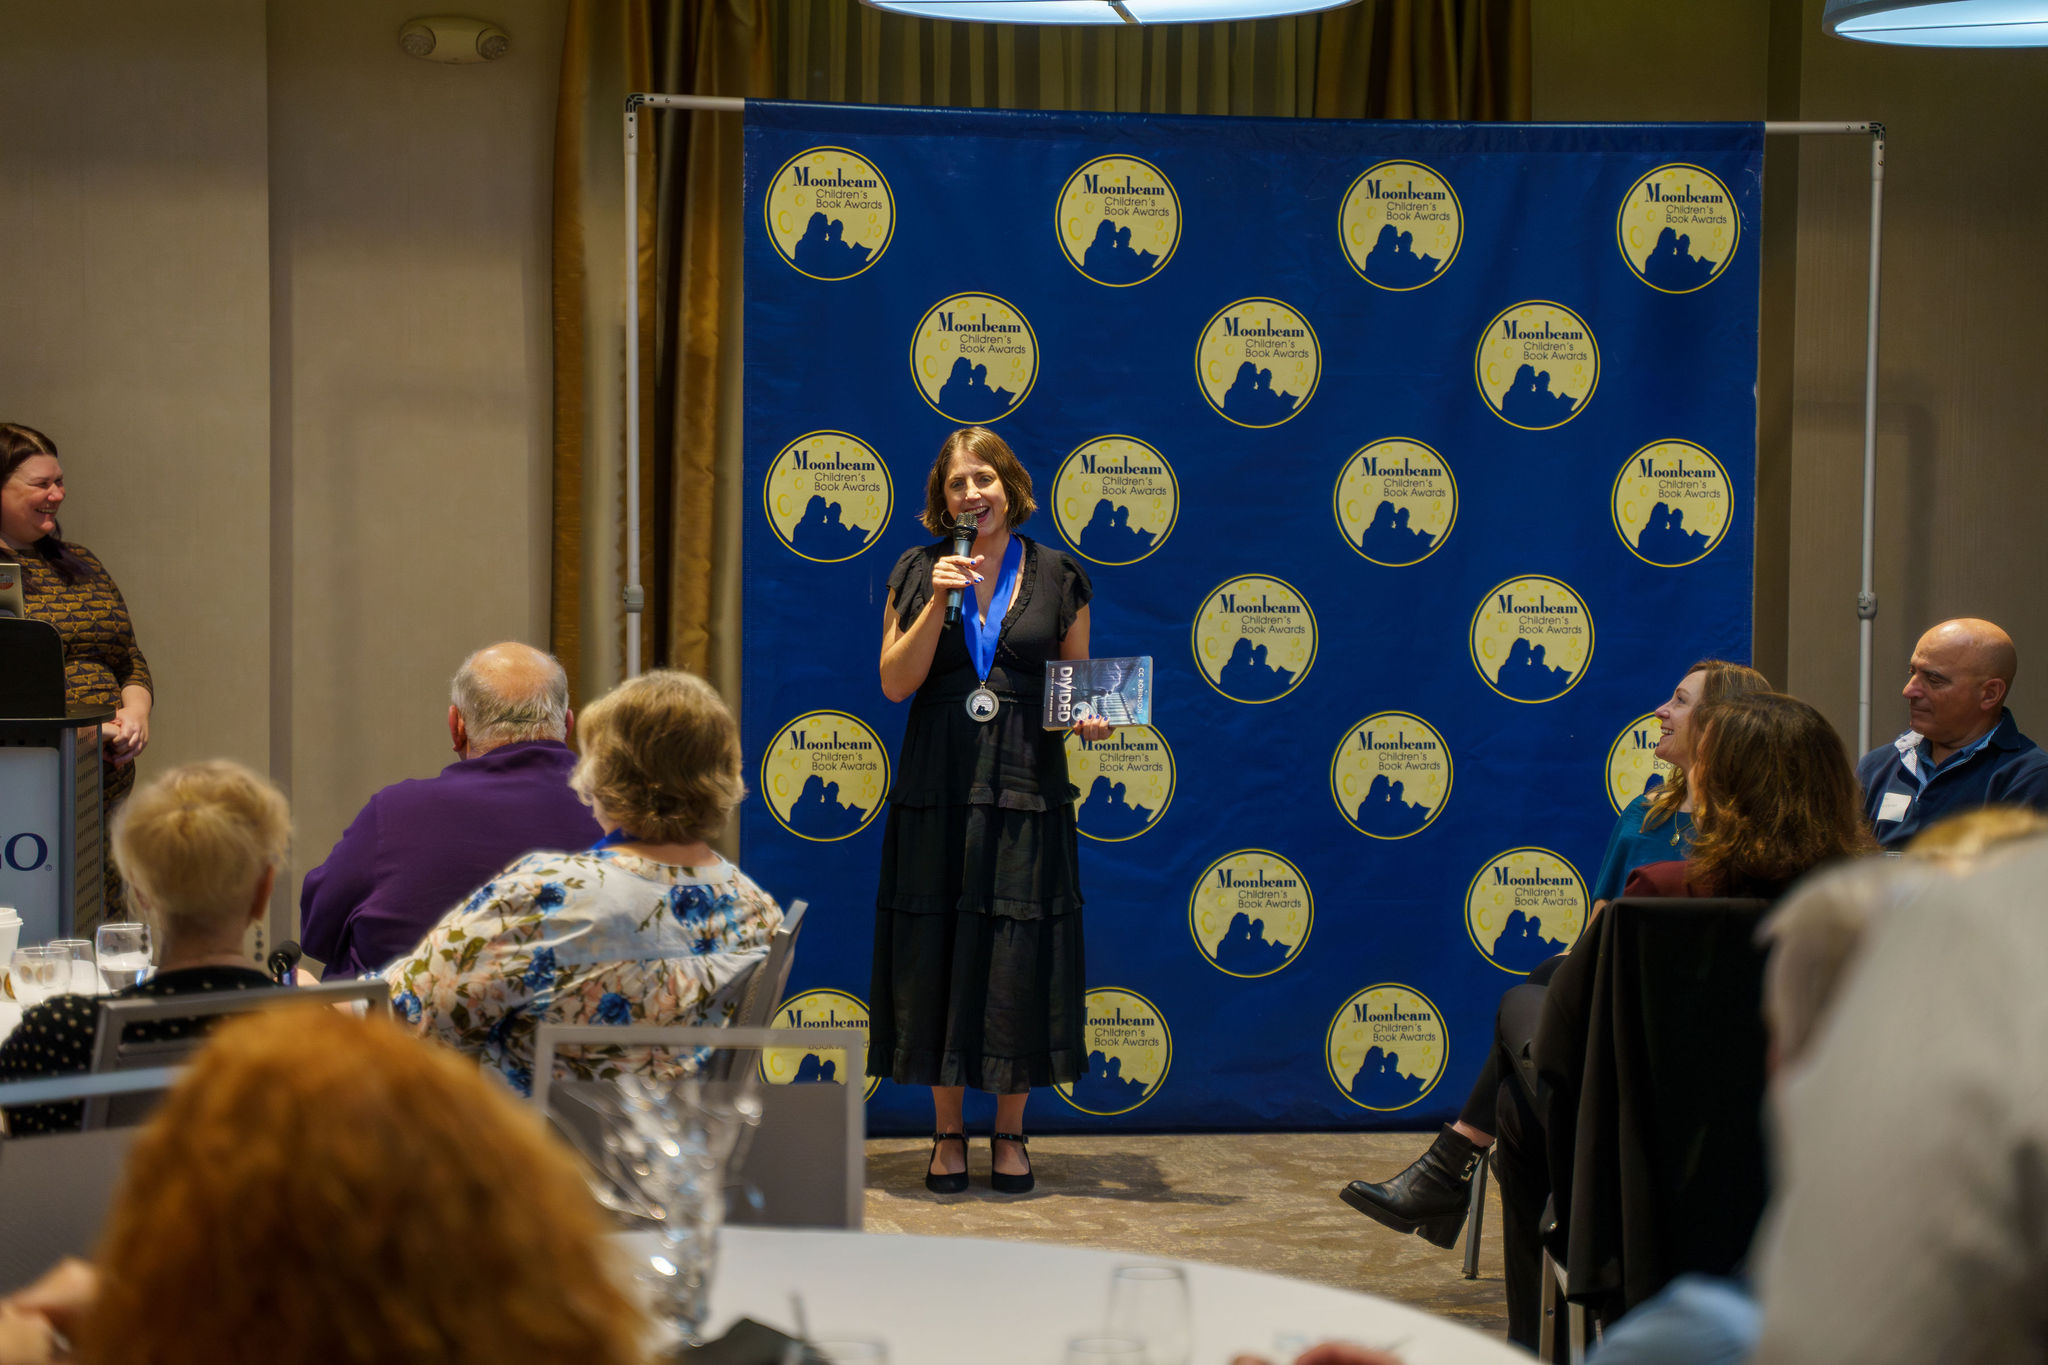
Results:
982 704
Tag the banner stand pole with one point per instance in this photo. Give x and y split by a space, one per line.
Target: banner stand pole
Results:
633 597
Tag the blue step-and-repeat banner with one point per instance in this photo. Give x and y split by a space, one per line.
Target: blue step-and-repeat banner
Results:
1420 458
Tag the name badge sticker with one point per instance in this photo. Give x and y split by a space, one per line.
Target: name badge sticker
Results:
1894 807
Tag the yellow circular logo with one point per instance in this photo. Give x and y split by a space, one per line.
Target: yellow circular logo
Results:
1126 782
1671 503
1251 912
1129 1053
1678 228
1537 365
1387 1047
1401 225
825 776
1255 638
1115 499
1258 362
807 1066
1396 501
828 496
1525 906
830 213
1391 775
1118 220
1633 768
974 358
1532 639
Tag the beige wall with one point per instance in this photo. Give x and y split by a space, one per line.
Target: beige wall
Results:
1959 484
410 223
282 295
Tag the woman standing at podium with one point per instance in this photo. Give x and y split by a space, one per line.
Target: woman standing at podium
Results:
65 584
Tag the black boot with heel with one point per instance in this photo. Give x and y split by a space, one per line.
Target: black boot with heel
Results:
1430 1198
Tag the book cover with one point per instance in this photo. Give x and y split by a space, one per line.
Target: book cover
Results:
1118 690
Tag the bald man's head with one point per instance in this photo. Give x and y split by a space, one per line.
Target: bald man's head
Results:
508 693
1961 672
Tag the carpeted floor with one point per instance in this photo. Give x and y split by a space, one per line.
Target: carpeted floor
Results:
1265 1201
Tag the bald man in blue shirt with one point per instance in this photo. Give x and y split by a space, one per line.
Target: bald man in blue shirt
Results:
1964 749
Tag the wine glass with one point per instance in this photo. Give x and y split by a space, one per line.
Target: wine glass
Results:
38 972
1149 1303
85 973
124 953
1100 1350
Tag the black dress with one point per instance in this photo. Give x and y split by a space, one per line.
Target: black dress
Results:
978 971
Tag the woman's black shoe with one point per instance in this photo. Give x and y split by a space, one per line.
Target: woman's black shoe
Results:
954 1182
1009 1184
1430 1198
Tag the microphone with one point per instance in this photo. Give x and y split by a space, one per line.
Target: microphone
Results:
964 528
282 960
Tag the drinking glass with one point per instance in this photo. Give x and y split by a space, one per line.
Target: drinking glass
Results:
85 973
38 973
124 952
847 1351
1105 1351
1149 1303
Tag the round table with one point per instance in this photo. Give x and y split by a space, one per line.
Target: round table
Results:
941 1300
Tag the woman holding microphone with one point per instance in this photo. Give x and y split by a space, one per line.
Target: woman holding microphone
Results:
978 968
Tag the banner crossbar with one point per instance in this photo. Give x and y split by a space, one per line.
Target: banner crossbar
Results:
633 595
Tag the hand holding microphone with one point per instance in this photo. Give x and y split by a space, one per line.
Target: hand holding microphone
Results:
965 527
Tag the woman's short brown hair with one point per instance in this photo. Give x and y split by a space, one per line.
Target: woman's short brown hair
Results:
992 450
195 842
660 755
1773 796
326 1188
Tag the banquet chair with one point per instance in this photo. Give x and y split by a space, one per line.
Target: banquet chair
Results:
55 1188
1657 1152
113 1051
765 982
805 1165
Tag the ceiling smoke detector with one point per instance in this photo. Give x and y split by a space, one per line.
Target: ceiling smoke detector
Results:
452 38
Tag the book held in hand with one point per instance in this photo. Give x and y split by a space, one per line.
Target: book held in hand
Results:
1118 690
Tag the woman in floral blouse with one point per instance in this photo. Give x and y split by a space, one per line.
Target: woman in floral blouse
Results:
648 927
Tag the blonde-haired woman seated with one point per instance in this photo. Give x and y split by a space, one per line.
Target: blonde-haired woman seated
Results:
650 926
199 848
323 1188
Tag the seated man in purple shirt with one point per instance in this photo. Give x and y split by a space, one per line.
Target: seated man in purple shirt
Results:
421 846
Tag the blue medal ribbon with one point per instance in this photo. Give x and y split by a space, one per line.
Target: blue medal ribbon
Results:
614 839
981 639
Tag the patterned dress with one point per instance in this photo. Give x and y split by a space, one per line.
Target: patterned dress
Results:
603 937
100 658
57 1037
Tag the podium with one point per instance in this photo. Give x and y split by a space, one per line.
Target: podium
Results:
53 848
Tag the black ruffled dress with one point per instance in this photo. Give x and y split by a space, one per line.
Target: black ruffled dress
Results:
978 970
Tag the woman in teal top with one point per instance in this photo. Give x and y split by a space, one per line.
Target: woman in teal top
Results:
1430 1197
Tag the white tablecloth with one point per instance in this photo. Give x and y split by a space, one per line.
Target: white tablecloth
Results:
943 1300
10 1015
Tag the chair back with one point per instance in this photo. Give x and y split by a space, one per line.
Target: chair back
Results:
807 1161
55 1189
1658 1160
114 1051
765 983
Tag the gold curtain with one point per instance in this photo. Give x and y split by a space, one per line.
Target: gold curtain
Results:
1432 59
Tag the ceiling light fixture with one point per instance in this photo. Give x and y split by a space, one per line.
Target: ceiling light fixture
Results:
1940 23
1102 11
